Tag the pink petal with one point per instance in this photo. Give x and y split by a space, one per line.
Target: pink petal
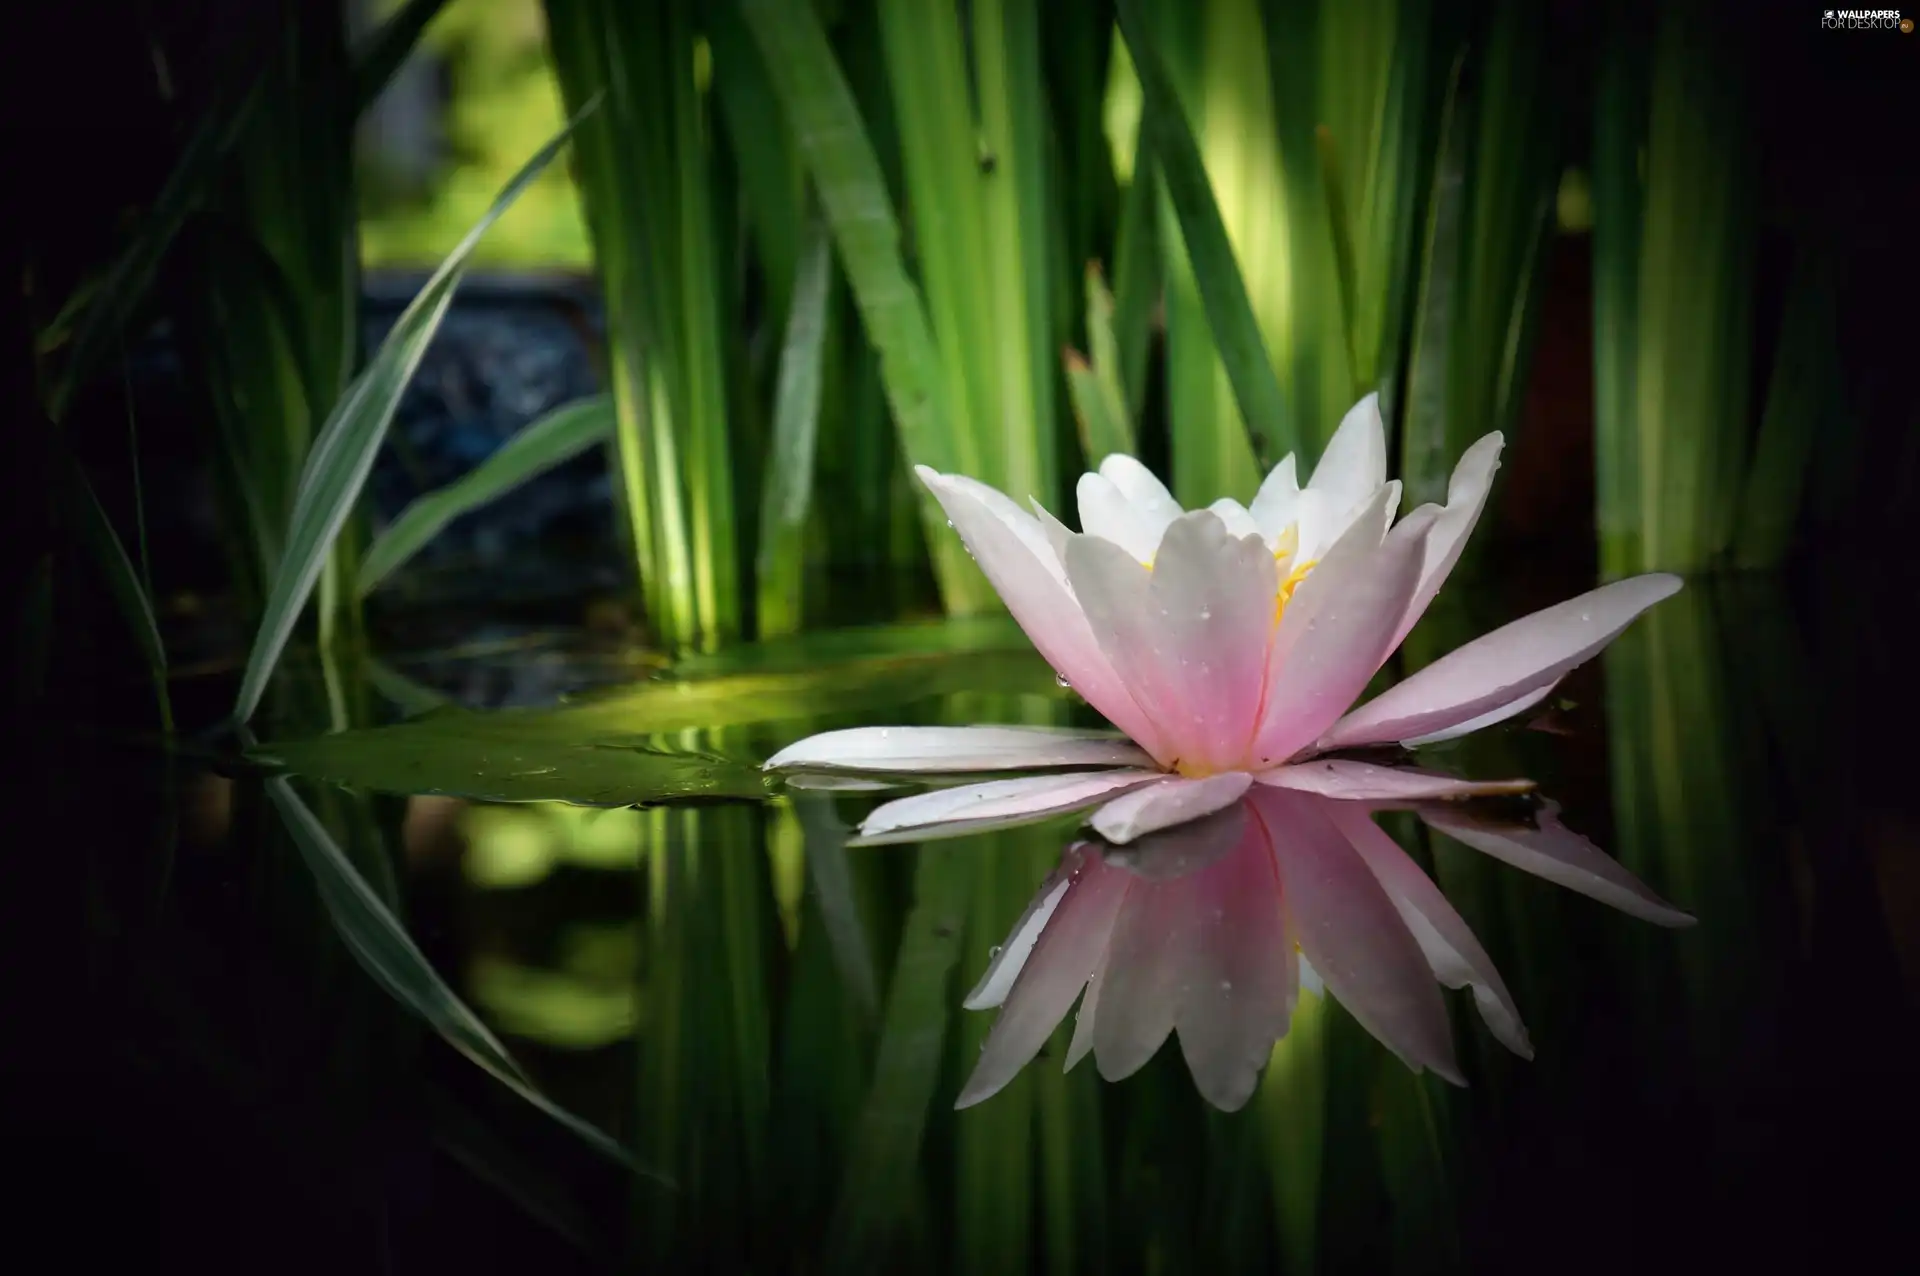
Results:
1189 636
989 748
1335 633
1466 496
1136 987
1449 944
1011 548
1168 802
1501 667
1345 780
1238 980
975 808
1063 959
1561 856
1352 933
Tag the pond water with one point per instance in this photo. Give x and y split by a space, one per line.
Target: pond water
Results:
769 1022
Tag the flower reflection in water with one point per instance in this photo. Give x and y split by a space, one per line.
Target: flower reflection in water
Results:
1209 930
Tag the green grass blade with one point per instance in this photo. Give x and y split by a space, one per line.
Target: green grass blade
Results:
381 54
1337 217
1800 393
831 878
1103 430
122 578
1425 461
1109 365
121 290
554 439
382 947
342 455
1230 317
781 561
846 173
1136 278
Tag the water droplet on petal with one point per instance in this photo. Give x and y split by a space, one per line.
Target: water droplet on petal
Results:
949 523
1061 679
993 952
1226 985
1206 613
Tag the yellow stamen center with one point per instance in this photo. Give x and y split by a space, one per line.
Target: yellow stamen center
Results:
1285 546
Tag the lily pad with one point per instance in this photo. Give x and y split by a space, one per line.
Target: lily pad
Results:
514 757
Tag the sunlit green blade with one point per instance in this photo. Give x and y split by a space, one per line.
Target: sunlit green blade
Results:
882 1164
117 572
381 54
408 696
381 946
342 455
555 438
788 489
1222 292
1620 117
853 193
503 758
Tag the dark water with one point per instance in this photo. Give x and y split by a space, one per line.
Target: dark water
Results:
772 1022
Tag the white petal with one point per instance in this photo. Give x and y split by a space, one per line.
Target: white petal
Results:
1493 716
1183 848
1058 533
1137 483
976 808
1501 667
1273 505
1350 930
1345 780
1189 637
1234 517
1355 462
1452 951
958 749
1105 513
1561 856
1333 636
1012 549
1065 955
1466 495
1169 802
834 782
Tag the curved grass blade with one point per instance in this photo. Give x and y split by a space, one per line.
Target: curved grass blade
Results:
832 881
554 439
1342 227
1103 430
343 453
381 54
382 947
1223 293
796 421
122 579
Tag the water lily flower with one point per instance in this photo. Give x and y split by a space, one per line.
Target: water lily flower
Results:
1210 931
1228 645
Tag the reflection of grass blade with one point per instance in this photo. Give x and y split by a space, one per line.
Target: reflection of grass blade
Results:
882 1164
382 947
555 438
832 882
1217 278
342 454
796 419
1799 392
1292 1111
